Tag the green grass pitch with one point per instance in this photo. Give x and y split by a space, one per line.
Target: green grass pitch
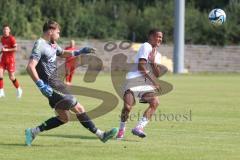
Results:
209 131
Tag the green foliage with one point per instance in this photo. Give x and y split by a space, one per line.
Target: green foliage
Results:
161 16
233 27
110 19
209 4
200 31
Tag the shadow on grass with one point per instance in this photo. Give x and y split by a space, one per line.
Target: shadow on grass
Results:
22 145
129 140
13 144
86 137
70 136
18 145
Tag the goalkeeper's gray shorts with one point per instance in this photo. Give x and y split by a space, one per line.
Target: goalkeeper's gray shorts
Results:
62 101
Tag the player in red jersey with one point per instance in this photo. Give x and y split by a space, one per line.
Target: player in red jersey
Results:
70 64
7 62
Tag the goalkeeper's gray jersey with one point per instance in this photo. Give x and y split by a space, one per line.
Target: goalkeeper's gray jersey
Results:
45 53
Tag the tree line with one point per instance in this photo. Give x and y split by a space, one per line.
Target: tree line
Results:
122 19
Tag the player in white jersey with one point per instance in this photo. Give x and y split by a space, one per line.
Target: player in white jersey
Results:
141 83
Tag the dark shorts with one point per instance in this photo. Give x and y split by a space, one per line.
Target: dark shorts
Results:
61 98
62 101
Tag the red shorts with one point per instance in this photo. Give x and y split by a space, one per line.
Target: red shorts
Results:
8 63
70 65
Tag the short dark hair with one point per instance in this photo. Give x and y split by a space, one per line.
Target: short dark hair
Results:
5 25
50 24
153 31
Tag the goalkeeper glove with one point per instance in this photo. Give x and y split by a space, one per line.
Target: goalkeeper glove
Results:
85 50
44 88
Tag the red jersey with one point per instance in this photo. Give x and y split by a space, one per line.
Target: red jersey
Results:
8 42
70 48
71 58
7 61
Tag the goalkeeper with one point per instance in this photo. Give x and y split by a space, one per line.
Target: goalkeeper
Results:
42 68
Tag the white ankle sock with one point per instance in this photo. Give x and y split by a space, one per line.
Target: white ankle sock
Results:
142 122
122 125
35 131
99 133
2 91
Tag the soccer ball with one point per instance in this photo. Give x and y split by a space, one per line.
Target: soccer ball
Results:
217 17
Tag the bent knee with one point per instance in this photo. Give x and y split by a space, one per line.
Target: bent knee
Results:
64 119
155 102
127 108
12 78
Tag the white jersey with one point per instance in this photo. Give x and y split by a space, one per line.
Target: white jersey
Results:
143 52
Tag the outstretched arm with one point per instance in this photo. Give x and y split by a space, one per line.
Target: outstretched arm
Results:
85 50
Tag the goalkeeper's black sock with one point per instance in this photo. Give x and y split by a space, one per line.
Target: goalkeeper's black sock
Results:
87 122
50 124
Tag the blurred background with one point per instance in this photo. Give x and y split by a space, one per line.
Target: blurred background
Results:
95 22
208 95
